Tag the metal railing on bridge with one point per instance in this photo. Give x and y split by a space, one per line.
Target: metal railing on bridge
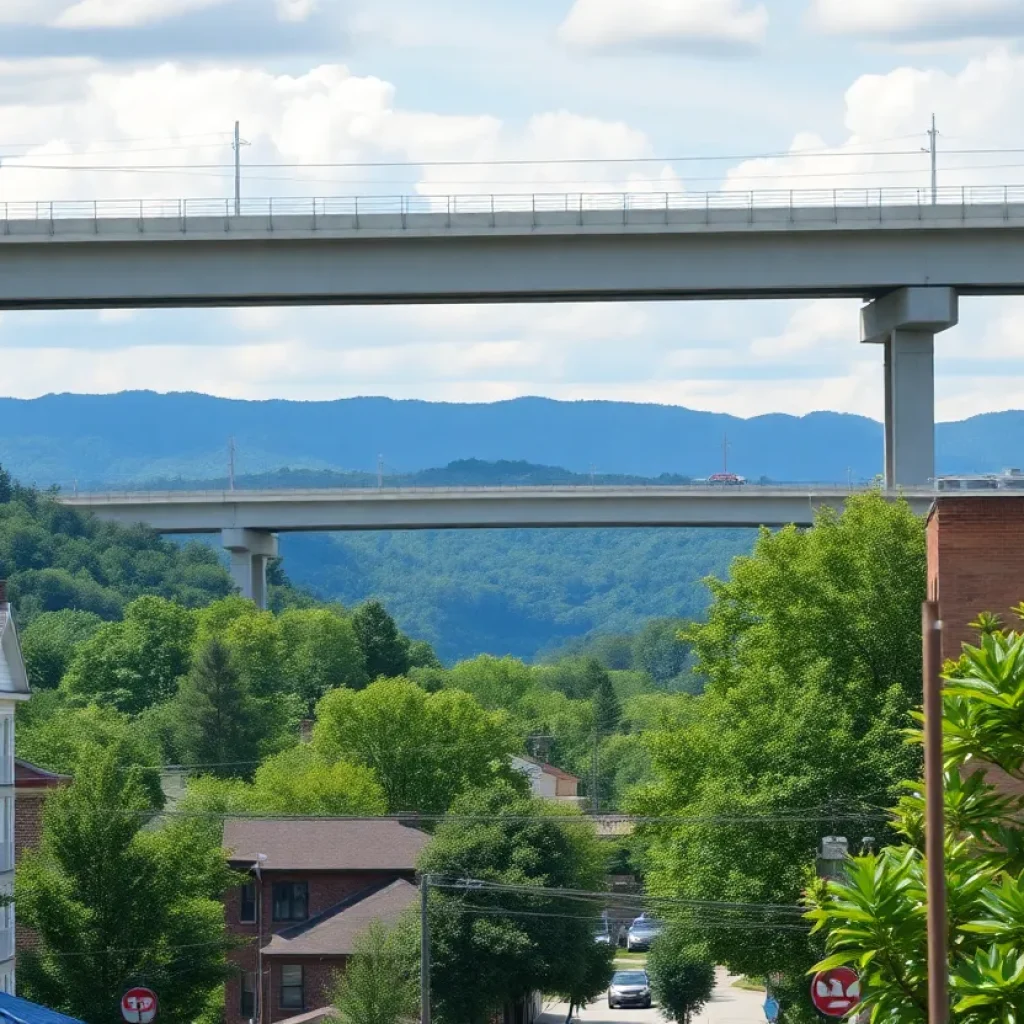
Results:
802 205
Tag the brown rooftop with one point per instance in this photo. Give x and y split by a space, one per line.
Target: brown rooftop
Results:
335 931
324 844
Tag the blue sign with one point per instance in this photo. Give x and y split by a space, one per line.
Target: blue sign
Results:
771 1009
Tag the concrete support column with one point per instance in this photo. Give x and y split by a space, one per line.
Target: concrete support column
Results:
905 322
250 551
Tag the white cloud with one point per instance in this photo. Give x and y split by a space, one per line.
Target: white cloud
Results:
611 24
116 316
125 13
920 19
296 10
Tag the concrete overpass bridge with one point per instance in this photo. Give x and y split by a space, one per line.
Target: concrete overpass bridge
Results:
907 253
249 521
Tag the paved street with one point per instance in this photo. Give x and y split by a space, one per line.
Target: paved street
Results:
728 1005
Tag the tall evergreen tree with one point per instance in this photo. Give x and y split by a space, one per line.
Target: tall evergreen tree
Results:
607 709
385 648
112 904
218 722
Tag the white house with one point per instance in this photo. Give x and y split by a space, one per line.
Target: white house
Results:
13 688
547 781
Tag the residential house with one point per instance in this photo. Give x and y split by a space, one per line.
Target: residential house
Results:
547 781
13 689
314 887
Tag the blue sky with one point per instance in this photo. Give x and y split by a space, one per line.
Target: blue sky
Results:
145 83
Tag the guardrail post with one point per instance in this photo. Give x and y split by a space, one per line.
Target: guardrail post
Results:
750 209
95 218
533 210
492 211
579 217
792 216
448 221
7 220
181 214
963 203
271 213
357 212
51 217
707 208
142 218
227 216
835 207
1006 202
403 208
314 213
666 208
625 207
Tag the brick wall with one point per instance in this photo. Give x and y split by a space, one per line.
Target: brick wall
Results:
28 831
325 890
976 564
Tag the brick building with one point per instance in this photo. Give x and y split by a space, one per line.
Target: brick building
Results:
317 887
975 562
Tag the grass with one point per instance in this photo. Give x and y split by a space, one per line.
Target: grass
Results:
749 984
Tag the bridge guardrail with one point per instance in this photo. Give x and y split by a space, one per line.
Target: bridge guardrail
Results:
833 204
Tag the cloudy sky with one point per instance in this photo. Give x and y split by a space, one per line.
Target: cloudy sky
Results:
137 99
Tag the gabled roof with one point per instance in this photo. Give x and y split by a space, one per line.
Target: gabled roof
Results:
21 1011
547 769
10 654
334 931
324 844
31 776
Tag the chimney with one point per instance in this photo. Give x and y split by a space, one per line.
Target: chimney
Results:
3 592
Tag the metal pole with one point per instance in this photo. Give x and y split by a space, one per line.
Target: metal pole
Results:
231 464
238 171
424 951
935 831
934 136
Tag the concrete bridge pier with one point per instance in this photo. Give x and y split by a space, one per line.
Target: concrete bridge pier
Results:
906 321
250 551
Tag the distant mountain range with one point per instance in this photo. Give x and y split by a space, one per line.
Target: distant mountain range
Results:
140 436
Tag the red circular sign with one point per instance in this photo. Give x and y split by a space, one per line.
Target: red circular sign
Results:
836 992
138 1006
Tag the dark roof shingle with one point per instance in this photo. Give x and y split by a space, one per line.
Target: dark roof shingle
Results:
335 931
325 844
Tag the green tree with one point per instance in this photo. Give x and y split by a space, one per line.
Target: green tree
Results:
682 974
425 749
62 739
660 652
607 710
49 642
493 946
875 920
220 726
110 908
422 655
380 984
298 781
384 647
320 652
494 682
137 662
812 654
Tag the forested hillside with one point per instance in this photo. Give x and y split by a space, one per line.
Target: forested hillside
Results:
58 439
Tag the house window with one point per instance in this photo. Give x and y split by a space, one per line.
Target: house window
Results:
291 987
247 907
248 1004
291 901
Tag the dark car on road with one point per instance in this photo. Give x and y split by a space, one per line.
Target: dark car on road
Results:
630 988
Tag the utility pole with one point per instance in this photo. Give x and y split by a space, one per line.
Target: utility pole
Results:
934 818
424 951
231 463
237 146
933 147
